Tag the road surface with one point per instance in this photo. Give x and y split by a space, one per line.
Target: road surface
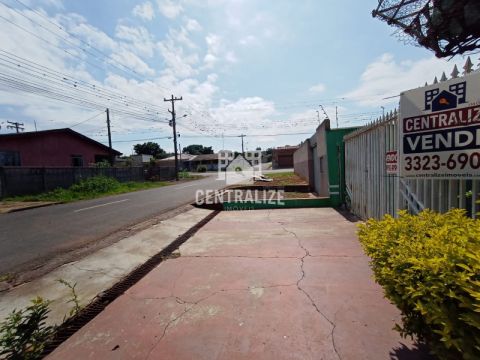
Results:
33 234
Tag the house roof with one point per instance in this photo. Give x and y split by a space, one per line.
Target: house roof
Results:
204 157
180 157
68 131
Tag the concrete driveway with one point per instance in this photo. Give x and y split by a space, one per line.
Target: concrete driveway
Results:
265 284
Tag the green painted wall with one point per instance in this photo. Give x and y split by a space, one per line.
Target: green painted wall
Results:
336 164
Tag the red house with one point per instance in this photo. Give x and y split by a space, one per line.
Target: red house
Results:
50 148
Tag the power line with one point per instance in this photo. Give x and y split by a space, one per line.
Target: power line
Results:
69 34
84 121
44 72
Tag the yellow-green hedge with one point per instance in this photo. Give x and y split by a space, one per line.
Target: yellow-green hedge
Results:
429 267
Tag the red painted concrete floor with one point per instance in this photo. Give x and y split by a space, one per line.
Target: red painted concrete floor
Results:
265 284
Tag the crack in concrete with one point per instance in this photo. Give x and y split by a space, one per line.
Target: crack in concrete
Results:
97 271
195 303
309 297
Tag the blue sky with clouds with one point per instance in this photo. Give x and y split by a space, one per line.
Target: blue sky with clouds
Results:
259 68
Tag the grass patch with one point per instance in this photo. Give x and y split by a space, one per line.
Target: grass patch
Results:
185 175
91 188
6 277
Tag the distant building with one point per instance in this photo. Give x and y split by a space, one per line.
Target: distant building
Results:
50 148
282 157
210 161
224 157
320 160
140 160
254 157
183 161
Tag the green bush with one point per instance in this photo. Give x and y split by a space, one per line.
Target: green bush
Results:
201 168
97 184
429 267
24 333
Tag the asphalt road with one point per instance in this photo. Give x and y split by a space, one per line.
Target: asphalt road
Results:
36 233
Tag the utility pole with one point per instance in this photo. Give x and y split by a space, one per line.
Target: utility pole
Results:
109 136
15 125
174 125
242 136
108 129
336 115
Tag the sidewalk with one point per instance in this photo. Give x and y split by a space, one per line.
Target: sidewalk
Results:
265 284
100 270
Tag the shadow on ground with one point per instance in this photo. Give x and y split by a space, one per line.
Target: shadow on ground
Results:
419 352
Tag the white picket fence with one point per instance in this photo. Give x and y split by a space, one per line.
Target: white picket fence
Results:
372 192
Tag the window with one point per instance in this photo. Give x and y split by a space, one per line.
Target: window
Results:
223 162
9 158
77 160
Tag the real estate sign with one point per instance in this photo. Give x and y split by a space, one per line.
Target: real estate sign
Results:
440 130
391 162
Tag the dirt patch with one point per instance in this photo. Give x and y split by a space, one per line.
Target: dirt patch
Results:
282 179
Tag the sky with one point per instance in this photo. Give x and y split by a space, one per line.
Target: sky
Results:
259 68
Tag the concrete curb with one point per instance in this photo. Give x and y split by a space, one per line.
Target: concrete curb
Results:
275 204
100 302
33 206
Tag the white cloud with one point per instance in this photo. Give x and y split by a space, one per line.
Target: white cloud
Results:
144 11
53 3
137 38
387 77
249 40
192 25
319 88
169 8
210 60
214 43
129 59
178 62
230 57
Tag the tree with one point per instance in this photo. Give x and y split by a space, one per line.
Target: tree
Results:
150 148
197 149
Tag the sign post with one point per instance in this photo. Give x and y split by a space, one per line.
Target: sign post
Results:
439 134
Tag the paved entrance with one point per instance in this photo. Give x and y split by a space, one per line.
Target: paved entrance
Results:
265 284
